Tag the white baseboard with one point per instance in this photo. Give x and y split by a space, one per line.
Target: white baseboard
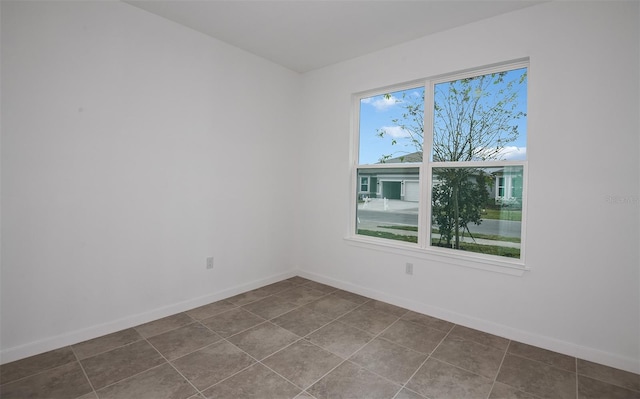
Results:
593 355
74 337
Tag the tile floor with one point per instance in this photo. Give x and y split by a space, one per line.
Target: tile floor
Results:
302 339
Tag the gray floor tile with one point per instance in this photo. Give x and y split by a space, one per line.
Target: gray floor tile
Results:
331 306
350 381
386 307
110 367
502 391
256 382
90 395
438 380
162 382
248 297
269 307
542 355
35 364
480 337
181 341
298 280
463 363
302 321
407 394
302 363
417 337
349 296
588 388
263 340
66 381
232 322
165 324
300 295
105 343
428 321
611 375
277 287
369 319
537 378
471 356
212 364
210 310
341 339
389 360
325 289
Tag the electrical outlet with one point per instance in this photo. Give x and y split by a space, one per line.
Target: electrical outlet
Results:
409 268
210 262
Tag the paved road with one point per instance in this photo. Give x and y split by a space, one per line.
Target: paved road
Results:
505 228
388 217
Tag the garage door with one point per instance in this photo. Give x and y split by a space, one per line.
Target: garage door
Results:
411 190
391 189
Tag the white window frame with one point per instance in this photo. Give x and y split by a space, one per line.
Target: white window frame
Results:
423 249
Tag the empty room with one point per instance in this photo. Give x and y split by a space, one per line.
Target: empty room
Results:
320 199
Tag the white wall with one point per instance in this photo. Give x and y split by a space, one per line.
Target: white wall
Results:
582 295
132 149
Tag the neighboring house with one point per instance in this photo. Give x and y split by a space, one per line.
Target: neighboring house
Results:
507 187
402 182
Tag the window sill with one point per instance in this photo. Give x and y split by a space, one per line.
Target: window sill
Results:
442 256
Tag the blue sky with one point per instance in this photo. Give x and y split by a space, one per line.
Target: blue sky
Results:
377 113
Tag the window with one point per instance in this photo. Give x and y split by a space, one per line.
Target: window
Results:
364 185
466 197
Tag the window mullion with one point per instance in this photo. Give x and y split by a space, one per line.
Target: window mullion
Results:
424 213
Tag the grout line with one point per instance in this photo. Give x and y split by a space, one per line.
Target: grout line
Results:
305 284
132 376
226 378
577 387
542 363
175 368
504 356
256 361
3 384
110 349
425 361
83 371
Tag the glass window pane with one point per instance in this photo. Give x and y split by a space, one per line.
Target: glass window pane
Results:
391 127
390 208
470 211
364 185
481 118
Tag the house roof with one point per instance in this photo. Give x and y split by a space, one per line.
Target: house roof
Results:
406 158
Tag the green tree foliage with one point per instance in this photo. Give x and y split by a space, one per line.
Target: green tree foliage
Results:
410 121
474 119
458 197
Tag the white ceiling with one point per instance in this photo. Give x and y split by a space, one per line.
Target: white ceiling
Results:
304 35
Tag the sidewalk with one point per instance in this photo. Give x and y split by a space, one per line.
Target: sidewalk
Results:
407 207
389 205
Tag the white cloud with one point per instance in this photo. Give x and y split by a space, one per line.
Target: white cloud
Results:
509 153
513 153
381 103
395 132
